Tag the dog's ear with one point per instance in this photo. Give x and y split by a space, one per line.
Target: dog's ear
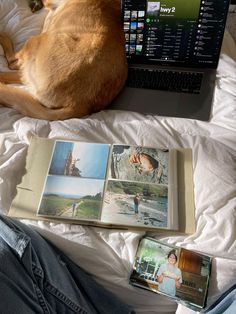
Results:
35 5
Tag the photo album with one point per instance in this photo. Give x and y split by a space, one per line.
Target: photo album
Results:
172 271
95 183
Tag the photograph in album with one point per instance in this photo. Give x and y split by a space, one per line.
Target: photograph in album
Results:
69 197
84 160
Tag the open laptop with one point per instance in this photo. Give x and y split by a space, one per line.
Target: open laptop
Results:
173 49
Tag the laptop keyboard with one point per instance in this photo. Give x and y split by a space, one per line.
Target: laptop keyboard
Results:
175 81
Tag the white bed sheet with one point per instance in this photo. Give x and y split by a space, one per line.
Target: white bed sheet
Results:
108 254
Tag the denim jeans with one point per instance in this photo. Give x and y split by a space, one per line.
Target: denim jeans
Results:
36 277
226 304
136 208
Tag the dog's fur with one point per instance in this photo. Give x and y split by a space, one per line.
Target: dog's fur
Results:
76 66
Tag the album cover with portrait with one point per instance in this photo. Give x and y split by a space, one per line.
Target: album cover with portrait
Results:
172 271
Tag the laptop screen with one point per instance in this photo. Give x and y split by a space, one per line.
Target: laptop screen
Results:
176 32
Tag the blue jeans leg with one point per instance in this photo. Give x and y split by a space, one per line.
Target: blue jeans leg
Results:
226 304
36 277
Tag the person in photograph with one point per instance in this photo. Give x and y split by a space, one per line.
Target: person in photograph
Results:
136 203
74 205
169 276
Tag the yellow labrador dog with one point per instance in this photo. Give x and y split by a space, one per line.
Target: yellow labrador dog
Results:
76 66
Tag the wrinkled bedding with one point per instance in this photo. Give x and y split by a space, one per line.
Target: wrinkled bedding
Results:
109 254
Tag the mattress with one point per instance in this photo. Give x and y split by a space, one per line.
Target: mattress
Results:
108 254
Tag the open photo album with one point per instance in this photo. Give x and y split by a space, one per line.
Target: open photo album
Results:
111 184
172 271
128 185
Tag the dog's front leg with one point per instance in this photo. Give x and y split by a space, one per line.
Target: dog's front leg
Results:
10 77
8 48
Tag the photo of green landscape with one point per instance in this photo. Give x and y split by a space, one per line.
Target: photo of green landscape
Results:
72 198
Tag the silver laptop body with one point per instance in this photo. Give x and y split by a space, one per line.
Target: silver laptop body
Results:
177 36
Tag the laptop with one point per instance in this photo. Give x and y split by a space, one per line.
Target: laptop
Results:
173 49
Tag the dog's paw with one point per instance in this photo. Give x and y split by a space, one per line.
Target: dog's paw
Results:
2 82
1 79
13 65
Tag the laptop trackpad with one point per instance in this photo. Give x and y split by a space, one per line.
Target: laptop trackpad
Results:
147 101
